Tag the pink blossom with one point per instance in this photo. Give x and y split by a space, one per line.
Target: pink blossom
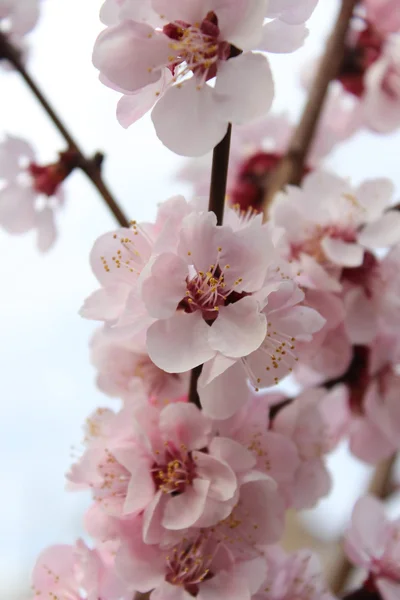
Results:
328 225
212 295
381 103
76 573
197 566
315 421
295 576
373 543
32 193
124 367
196 44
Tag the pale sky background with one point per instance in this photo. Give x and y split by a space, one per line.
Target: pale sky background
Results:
47 384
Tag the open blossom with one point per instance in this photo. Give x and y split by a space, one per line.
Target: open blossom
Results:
123 365
315 421
217 297
329 225
76 573
373 543
293 576
165 53
32 193
197 566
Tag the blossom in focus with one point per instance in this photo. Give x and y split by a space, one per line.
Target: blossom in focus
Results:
123 365
31 193
373 543
329 225
197 566
77 572
298 575
165 53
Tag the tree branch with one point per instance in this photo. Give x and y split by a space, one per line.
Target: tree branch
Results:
219 176
290 169
91 167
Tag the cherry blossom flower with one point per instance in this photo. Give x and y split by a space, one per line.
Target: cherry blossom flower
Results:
298 575
32 193
329 225
18 17
193 45
77 572
196 566
123 367
315 421
373 543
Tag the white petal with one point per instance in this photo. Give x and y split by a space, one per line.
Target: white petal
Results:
186 120
17 209
342 253
382 233
180 343
280 37
244 88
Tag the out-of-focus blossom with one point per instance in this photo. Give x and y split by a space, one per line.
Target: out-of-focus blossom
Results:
298 575
123 365
18 17
77 572
329 225
373 543
31 193
166 52
384 14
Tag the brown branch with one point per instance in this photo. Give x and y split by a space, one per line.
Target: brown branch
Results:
219 176
91 167
291 167
379 486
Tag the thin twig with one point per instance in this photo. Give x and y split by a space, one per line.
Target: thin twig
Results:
219 176
91 167
379 486
290 169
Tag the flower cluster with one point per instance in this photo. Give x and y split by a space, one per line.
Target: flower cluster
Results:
165 53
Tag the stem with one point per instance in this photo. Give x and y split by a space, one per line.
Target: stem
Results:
290 168
380 487
91 167
219 177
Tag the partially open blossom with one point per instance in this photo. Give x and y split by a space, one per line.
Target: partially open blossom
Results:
78 573
122 365
167 52
329 225
373 543
293 576
32 193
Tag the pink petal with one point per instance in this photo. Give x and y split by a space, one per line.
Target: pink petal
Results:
225 394
105 304
17 209
185 424
182 511
239 329
226 585
186 120
60 561
130 54
166 286
232 453
46 229
180 343
140 565
244 88
221 478
280 37
382 233
342 253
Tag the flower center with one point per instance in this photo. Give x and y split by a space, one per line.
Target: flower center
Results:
115 478
47 179
311 245
176 472
197 48
188 565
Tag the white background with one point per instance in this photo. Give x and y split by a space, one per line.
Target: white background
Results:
47 384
